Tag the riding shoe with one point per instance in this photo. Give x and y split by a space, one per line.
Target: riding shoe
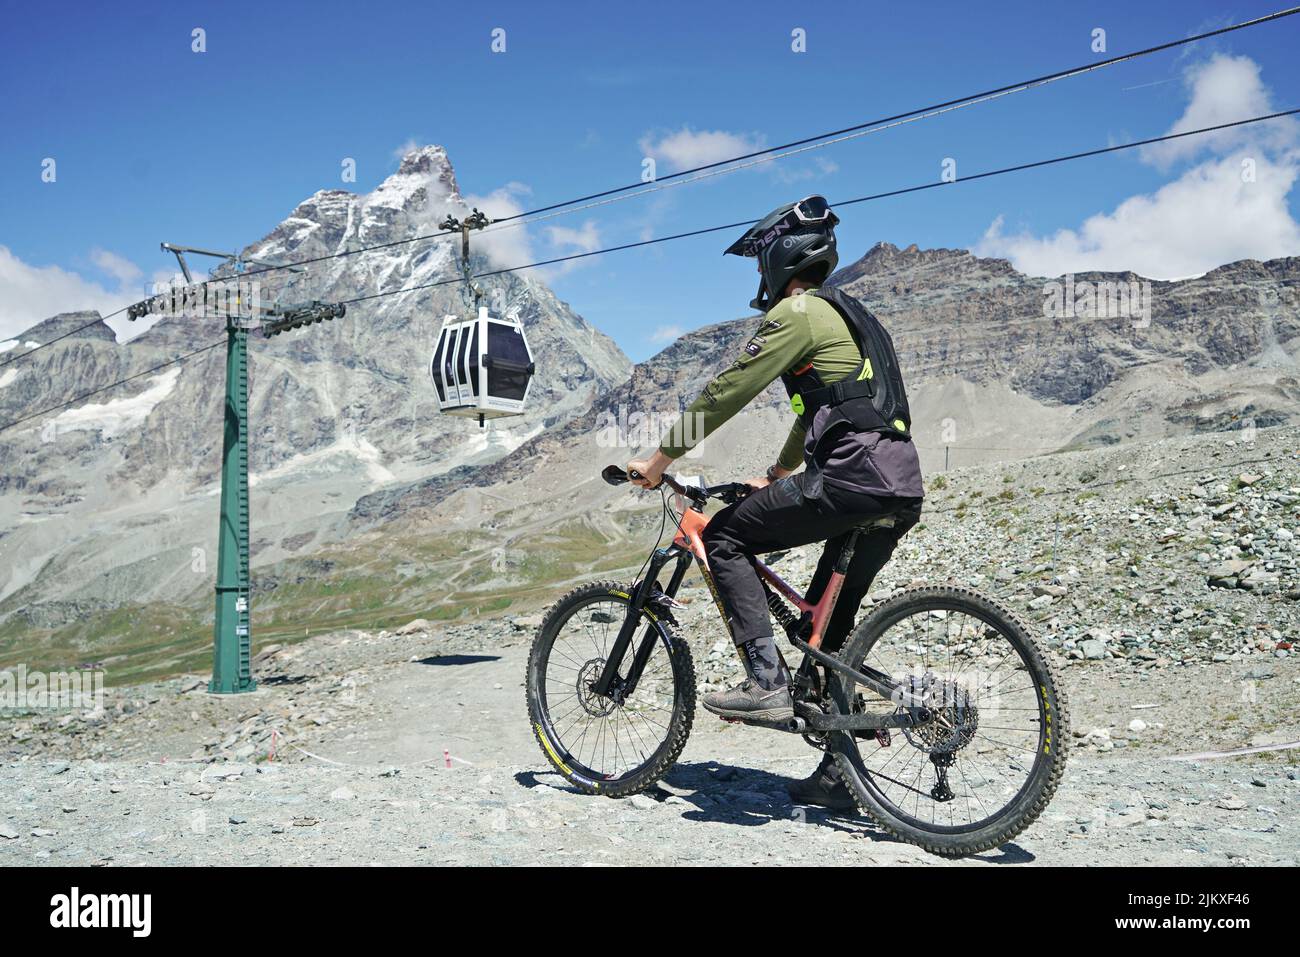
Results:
750 702
823 788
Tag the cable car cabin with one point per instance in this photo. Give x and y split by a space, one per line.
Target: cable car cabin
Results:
482 367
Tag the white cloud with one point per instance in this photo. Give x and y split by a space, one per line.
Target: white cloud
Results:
1220 90
169 277
410 146
566 241
686 148
1212 213
1205 218
508 245
30 294
665 334
821 166
584 239
120 268
512 244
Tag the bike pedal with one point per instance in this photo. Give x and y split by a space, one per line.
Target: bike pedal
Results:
791 725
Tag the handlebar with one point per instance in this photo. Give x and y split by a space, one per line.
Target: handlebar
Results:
728 492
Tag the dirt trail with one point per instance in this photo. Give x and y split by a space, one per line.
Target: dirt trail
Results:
375 790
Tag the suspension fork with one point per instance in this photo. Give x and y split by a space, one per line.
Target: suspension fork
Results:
609 681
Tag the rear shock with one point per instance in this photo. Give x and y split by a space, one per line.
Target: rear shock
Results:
783 613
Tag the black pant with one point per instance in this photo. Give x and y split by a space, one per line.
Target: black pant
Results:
779 516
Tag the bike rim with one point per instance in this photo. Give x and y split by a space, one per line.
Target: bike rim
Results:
996 710
594 739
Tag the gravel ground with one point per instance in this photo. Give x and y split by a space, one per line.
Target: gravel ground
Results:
374 787
1108 811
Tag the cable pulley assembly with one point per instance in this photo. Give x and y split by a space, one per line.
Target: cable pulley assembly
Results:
287 318
475 220
482 366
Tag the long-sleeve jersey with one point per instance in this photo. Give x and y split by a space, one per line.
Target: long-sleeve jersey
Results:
798 330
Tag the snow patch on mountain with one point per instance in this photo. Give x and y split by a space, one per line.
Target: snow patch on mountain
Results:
337 456
116 416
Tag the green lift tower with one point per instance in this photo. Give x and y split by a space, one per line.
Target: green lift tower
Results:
232 638
240 304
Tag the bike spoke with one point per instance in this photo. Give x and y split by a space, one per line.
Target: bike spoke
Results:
976 682
606 736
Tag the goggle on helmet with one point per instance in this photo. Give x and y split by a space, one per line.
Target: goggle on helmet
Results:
790 240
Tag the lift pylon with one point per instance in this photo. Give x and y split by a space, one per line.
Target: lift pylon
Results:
232 628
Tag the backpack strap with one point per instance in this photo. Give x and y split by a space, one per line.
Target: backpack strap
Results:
839 392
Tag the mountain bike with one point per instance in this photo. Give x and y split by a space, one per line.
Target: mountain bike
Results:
944 715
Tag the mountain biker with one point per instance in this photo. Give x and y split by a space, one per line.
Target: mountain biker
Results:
852 434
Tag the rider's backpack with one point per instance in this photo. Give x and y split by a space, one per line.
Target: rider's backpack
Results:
873 401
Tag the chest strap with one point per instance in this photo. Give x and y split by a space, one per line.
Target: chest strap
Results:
837 392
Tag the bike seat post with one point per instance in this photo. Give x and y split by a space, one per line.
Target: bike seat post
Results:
846 553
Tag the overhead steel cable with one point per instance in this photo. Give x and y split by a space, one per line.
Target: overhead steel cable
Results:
714 229
769 154
552 262
848 202
1072 156
933 108
70 332
716 168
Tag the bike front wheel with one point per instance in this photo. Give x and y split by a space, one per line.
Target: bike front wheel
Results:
985 757
615 745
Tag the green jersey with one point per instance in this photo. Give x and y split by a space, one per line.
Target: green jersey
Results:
797 331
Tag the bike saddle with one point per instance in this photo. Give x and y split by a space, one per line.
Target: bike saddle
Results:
880 521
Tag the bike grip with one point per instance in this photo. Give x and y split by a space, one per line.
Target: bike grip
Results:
614 475
633 475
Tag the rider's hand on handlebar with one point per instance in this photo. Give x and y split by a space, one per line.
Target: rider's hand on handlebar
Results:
758 483
650 471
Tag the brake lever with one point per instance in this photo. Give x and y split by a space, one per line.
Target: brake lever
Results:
736 492
617 475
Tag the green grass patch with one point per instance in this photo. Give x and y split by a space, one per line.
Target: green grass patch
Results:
370 584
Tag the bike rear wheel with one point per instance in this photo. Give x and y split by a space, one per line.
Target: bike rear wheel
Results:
603 745
987 764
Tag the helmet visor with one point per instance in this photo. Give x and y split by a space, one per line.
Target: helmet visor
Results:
810 211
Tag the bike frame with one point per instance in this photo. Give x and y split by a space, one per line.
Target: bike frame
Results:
688 543
690 536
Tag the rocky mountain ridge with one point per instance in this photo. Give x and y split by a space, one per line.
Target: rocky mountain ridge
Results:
90 493
345 439
989 375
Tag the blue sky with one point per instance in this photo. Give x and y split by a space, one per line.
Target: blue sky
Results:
155 142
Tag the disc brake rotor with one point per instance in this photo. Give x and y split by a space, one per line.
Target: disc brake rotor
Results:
592 703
